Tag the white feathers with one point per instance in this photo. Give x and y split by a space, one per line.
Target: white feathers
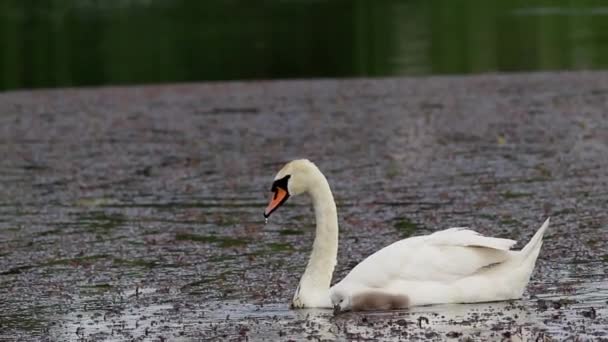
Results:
450 266
465 237
456 265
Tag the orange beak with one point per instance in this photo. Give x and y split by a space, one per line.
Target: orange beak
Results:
278 197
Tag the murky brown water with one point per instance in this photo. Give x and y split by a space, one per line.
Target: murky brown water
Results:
137 212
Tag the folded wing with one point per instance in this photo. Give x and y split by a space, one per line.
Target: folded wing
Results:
443 256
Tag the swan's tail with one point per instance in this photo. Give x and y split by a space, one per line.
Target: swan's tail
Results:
523 262
530 252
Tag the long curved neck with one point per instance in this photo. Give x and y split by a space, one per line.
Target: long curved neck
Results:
314 284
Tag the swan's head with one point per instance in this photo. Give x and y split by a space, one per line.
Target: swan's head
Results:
370 299
294 178
341 301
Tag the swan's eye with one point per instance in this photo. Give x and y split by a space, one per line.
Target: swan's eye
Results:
280 183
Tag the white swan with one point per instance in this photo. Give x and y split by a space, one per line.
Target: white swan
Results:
455 265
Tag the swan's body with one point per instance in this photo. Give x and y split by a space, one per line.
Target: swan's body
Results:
455 265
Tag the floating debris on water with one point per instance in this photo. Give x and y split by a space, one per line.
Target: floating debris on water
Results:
90 246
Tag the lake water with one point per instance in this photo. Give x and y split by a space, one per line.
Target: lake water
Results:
136 213
86 42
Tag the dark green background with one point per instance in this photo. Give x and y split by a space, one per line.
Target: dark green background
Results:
86 42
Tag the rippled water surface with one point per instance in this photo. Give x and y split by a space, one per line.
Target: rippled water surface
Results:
137 212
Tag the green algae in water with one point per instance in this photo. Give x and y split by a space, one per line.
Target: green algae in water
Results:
280 247
487 216
24 322
135 243
564 212
290 232
222 241
393 170
509 222
406 227
99 220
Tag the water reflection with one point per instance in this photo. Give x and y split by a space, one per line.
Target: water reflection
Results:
62 43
